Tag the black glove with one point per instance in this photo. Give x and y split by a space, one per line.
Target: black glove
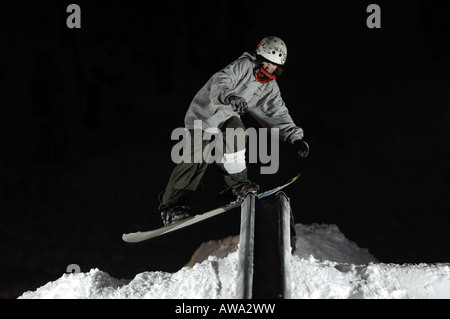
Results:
302 148
238 104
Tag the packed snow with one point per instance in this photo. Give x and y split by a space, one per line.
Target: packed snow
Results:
325 265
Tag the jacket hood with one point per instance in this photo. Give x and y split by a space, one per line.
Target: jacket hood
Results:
252 57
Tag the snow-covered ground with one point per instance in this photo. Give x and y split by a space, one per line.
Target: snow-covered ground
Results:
326 265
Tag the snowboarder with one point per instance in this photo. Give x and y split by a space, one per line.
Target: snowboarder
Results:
246 85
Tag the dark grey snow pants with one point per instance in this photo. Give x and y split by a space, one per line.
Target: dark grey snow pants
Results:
186 177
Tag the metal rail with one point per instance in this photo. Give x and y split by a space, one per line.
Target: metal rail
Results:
264 248
246 248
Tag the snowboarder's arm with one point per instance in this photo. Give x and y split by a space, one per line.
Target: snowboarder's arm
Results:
225 82
272 112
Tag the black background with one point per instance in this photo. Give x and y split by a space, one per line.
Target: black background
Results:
374 105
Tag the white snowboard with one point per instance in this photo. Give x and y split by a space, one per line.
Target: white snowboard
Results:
140 236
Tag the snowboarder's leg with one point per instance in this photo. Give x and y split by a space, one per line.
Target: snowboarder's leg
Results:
233 163
183 181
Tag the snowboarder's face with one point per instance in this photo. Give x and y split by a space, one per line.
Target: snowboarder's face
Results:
269 67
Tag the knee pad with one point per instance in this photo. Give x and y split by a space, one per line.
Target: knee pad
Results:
234 162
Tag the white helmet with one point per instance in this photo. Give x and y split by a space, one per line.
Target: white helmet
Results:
273 49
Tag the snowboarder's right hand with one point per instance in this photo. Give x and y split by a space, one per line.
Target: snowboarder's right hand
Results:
238 104
302 148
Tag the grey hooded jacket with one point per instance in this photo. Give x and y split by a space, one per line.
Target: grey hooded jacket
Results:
210 104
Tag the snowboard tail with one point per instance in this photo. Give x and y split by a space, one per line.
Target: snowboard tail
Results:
140 236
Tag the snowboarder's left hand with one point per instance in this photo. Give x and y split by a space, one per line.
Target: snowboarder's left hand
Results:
302 148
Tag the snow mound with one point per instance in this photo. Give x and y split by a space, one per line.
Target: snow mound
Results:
326 242
212 279
312 279
326 265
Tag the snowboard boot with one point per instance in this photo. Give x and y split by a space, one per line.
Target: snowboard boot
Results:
170 215
242 190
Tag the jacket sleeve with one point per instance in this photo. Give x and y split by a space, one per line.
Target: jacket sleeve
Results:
272 112
224 82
